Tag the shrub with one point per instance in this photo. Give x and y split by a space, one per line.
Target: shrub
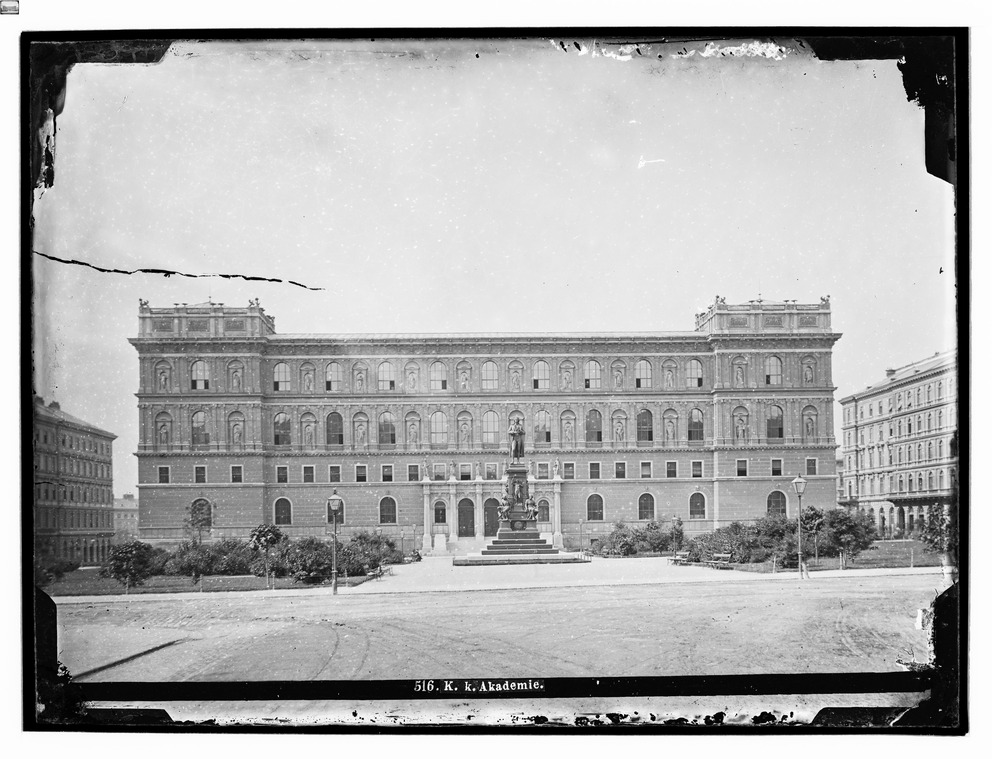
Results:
310 560
367 550
232 557
191 559
129 563
653 538
847 532
622 541
49 570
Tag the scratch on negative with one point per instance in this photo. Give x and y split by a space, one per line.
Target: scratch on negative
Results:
169 273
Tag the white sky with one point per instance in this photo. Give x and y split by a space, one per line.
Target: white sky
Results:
428 189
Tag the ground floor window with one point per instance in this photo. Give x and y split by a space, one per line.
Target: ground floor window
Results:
645 506
543 511
283 511
594 508
387 511
697 506
776 504
440 513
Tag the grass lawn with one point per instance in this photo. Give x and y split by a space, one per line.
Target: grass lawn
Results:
884 554
87 582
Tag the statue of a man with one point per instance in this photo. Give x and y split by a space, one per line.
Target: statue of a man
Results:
557 465
741 428
516 433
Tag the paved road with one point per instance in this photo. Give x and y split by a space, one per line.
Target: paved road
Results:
730 623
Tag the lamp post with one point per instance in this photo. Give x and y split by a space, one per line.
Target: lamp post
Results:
334 504
581 545
378 548
800 486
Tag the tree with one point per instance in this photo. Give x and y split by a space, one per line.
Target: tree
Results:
846 534
130 564
812 521
622 541
678 534
263 538
198 519
937 535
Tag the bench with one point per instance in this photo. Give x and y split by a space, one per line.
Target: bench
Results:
720 561
681 558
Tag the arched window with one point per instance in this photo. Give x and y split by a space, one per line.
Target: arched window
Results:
902 486
200 378
940 449
282 434
542 427
439 376
918 394
775 426
280 378
332 377
695 425
490 376
645 506
645 426
490 427
594 375
919 481
201 515
542 375
775 506
773 370
919 451
594 426
387 376
940 390
334 429
694 373
283 511
909 425
387 429
198 425
439 428
929 480
387 511
940 479
440 512
543 510
940 419
642 374
594 508
929 393
697 506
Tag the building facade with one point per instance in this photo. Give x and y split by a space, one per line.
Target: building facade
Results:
897 444
125 518
250 426
73 487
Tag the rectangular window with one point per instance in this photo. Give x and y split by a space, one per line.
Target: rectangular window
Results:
440 513
620 470
464 472
645 469
163 475
199 474
491 471
742 467
776 467
413 472
569 471
671 469
237 473
697 469
308 474
387 472
334 473
361 473
439 473
282 474
810 466
594 471
543 472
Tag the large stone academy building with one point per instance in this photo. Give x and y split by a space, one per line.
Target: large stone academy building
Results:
248 426
899 445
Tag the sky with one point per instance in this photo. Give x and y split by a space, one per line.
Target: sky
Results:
507 185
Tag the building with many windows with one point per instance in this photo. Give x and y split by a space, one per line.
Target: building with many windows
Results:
73 486
897 444
246 425
125 518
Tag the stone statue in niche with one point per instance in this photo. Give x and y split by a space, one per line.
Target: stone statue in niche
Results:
308 435
308 382
236 433
557 464
810 426
808 374
669 379
360 382
566 380
516 434
618 430
413 433
515 381
163 433
669 430
478 470
739 376
411 380
360 434
568 432
518 492
236 380
618 379
465 433
463 380
741 427
453 470
163 380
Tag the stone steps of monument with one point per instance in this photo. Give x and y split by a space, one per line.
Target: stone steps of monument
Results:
518 534
525 541
507 551
489 561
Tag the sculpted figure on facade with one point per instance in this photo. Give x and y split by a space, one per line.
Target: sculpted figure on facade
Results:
237 433
463 380
360 434
360 382
308 435
236 380
669 430
810 426
515 381
618 430
413 433
568 432
308 382
618 379
808 374
411 380
465 433
566 380
669 379
556 467
739 376
516 434
741 427
163 380
163 434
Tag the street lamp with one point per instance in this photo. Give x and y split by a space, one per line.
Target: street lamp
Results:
334 505
581 546
800 485
378 549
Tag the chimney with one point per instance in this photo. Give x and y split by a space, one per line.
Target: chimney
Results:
890 373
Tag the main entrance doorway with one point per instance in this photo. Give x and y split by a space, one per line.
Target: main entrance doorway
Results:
491 514
466 518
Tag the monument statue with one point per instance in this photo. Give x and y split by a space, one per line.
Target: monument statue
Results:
531 507
516 433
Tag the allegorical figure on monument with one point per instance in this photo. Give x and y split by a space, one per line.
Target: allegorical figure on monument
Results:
531 507
516 433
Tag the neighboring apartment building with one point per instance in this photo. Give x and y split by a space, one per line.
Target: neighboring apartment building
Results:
73 486
711 425
897 444
125 518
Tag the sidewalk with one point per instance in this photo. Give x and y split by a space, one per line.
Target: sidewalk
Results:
438 575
